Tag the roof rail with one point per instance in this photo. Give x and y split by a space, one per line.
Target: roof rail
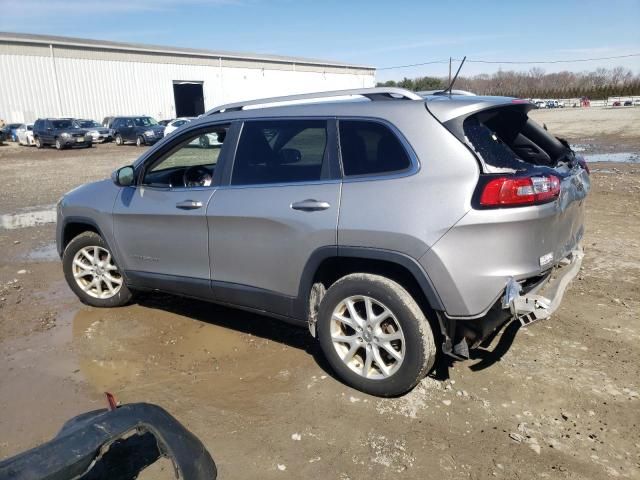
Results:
373 94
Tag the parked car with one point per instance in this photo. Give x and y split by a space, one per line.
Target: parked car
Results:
60 132
377 224
11 132
25 134
166 122
173 125
628 103
142 130
616 104
541 104
99 134
107 121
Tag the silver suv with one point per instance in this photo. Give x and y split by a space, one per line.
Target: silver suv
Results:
384 221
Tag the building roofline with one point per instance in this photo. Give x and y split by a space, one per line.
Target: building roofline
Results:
166 50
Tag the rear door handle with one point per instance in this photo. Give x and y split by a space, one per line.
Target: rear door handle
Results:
310 205
188 205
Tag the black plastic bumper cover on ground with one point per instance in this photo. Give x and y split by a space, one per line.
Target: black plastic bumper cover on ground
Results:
87 440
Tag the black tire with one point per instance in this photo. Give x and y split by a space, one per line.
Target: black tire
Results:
419 346
90 145
119 140
140 141
39 143
91 239
58 144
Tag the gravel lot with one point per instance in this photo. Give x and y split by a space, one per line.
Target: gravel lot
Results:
559 399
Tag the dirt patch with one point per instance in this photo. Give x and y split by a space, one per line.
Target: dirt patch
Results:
562 402
604 129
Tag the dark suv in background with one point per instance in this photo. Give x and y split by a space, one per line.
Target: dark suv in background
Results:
142 130
60 132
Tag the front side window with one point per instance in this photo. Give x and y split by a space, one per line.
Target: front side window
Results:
191 163
370 148
280 151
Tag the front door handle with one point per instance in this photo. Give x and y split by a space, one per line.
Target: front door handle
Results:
188 205
310 205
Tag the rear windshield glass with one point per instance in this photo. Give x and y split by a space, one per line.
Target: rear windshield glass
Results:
506 139
87 123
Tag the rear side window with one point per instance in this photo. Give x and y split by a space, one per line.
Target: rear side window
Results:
280 151
370 148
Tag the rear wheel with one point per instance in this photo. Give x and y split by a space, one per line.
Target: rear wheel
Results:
119 140
38 142
374 335
92 273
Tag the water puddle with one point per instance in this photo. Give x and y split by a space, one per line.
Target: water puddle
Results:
623 157
43 253
29 217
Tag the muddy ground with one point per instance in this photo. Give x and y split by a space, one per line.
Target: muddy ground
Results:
559 399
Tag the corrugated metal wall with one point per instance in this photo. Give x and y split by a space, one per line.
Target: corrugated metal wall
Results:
95 88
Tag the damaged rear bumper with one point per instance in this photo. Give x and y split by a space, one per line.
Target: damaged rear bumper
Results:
543 300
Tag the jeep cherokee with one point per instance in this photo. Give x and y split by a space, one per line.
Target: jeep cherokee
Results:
383 222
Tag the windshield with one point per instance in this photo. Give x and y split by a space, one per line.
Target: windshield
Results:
62 124
87 123
145 122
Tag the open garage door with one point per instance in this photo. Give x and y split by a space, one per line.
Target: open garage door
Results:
189 98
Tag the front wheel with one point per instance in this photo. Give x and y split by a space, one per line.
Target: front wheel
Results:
139 141
119 140
374 335
59 145
92 273
38 142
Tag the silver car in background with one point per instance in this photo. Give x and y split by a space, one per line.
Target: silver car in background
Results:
95 130
25 134
395 227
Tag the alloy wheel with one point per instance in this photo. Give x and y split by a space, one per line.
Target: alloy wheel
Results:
367 337
95 272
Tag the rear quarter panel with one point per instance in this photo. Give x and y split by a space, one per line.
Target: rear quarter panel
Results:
408 214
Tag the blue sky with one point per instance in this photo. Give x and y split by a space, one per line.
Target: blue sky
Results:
370 32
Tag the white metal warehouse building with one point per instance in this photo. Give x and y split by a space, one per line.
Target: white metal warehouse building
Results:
47 76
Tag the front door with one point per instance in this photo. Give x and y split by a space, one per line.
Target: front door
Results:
281 205
160 224
127 129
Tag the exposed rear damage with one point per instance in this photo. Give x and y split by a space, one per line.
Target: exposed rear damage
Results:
514 253
531 306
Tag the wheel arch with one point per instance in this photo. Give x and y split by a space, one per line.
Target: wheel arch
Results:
328 264
73 226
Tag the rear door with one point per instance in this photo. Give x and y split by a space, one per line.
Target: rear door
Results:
280 204
160 224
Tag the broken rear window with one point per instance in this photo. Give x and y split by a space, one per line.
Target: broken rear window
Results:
507 140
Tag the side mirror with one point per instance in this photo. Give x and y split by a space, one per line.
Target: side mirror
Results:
124 177
289 155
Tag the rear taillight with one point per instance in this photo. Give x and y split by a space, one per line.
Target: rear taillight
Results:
520 191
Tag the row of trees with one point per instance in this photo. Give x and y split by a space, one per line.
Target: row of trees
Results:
598 84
